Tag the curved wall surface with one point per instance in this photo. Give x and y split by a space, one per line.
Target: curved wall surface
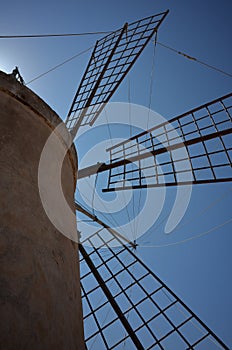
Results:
40 284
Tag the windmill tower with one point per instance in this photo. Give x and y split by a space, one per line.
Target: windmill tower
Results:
40 298
130 307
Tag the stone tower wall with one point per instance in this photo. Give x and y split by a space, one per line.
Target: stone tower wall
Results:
39 271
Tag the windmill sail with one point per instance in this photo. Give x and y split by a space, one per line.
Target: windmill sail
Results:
193 148
112 58
127 306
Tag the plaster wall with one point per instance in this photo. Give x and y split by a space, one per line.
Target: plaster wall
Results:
40 302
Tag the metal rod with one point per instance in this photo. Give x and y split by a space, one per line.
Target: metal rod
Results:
100 222
104 167
90 98
168 184
172 120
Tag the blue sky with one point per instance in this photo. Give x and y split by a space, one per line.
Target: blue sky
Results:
199 271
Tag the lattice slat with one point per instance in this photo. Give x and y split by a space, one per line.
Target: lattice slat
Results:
157 318
112 58
192 148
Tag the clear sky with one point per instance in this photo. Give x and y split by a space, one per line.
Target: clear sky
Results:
199 271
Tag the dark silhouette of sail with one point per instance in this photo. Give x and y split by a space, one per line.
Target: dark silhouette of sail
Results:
193 148
127 304
112 58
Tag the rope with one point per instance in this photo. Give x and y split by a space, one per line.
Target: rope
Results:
89 201
204 210
152 79
187 239
148 117
195 217
195 59
75 56
59 65
31 36
114 221
94 190
129 295
123 194
130 124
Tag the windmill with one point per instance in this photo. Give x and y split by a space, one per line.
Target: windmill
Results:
143 313
179 327
131 306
